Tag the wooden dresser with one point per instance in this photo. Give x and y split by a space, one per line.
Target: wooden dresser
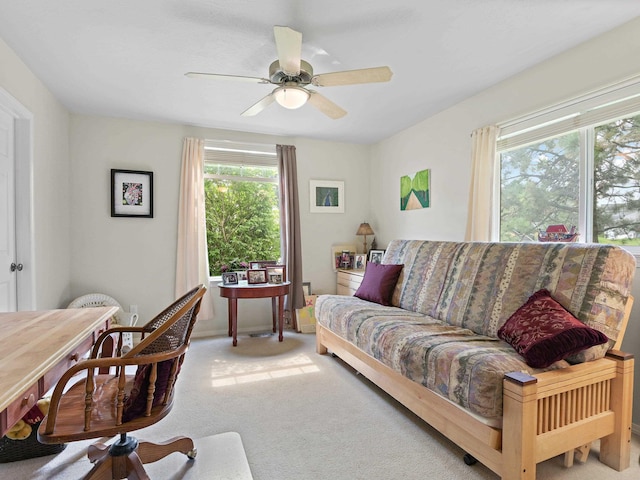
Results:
349 281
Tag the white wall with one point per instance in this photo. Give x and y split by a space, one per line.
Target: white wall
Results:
51 185
133 259
443 144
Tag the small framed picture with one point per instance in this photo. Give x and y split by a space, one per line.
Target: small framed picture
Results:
336 254
360 261
242 275
276 273
256 275
229 278
131 193
275 278
375 256
261 264
306 288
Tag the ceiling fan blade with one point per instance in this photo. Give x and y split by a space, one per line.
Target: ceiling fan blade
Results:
217 76
352 77
256 108
289 45
325 105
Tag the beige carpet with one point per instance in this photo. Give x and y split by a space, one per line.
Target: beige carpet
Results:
301 416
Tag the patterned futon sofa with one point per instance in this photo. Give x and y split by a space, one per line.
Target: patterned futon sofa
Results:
439 348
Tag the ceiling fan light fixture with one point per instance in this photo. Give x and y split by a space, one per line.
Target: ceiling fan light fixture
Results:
291 96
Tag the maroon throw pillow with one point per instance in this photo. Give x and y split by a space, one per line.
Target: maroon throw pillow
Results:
543 331
135 404
379 282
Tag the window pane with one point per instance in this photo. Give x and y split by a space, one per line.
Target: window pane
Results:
243 222
539 187
247 171
616 217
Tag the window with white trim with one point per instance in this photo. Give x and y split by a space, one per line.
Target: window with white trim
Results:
242 204
576 165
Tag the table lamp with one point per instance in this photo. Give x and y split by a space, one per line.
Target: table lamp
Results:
365 229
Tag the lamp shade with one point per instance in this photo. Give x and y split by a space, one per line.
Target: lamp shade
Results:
364 229
291 96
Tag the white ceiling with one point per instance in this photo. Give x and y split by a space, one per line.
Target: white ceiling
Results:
127 58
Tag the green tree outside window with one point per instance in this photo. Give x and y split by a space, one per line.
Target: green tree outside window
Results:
243 217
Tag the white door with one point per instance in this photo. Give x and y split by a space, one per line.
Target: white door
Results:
8 274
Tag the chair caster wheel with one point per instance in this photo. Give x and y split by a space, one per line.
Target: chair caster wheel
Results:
469 459
192 453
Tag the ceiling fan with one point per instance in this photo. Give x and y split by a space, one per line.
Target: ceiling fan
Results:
292 75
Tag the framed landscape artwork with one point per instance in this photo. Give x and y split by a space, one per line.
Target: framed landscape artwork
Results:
326 196
131 193
415 190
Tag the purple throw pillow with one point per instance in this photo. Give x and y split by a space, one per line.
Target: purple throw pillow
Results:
543 332
135 404
379 282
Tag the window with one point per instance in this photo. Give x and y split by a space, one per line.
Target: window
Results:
241 200
581 169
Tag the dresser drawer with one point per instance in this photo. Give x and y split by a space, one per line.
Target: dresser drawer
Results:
51 377
344 290
16 410
348 281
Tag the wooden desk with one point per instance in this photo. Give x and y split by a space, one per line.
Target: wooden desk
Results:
260 290
37 348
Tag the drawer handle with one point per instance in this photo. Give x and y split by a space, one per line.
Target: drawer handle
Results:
29 401
75 357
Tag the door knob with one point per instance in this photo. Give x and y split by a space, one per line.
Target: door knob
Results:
17 267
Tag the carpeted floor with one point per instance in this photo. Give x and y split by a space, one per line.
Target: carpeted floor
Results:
301 416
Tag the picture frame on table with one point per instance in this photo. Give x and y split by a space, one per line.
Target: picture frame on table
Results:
336 254
242 275
230 278
276 273
346 259
131 193
306 288
360 261
326 196
375 256
256 275
258 264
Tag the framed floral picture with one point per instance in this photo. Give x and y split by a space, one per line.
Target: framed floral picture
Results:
131 193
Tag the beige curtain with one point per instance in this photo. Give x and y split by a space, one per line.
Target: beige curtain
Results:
483 160
192 262
291 244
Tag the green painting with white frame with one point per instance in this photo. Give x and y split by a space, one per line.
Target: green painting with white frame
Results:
415 190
